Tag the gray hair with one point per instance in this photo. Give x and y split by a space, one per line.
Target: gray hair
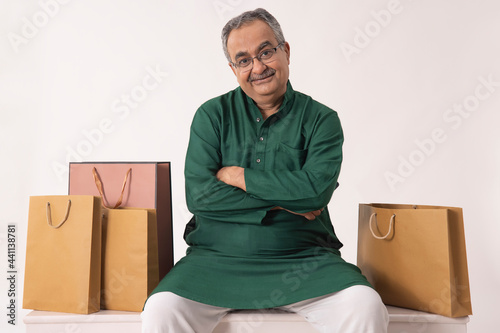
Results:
247 17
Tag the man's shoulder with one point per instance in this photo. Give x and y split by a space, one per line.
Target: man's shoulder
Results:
312 105
216 103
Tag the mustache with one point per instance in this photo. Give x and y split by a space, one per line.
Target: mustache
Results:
268 72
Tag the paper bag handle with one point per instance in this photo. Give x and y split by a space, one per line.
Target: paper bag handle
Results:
98 183
390 226
49 216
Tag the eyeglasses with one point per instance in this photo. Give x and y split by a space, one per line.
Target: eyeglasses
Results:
264 56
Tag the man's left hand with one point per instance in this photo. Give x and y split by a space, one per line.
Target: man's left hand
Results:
232 175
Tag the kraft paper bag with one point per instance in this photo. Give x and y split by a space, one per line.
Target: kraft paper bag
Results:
63 254
131 184
415 257
129 258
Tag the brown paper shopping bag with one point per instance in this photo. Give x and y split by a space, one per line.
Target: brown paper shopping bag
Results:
131 184
63 258
129 258
414 256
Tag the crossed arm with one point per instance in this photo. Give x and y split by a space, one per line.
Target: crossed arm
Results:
235 176
244 195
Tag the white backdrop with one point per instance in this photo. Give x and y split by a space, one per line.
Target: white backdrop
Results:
416 85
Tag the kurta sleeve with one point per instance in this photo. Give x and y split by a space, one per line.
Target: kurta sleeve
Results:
205 195
311 187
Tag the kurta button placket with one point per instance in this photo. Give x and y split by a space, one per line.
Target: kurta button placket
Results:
260 148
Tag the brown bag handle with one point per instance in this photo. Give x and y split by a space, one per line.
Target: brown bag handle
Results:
391 223
98 183
49 216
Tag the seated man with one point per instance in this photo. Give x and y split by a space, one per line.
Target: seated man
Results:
261 166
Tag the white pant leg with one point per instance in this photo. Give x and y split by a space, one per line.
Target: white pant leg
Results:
166 312
357 309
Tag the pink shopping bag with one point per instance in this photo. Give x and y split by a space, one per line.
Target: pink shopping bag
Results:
131 184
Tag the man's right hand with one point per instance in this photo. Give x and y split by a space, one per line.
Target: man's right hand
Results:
309 215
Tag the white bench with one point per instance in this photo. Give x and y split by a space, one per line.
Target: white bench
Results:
401 321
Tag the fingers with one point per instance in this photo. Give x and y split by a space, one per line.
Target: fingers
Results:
312 215
232 175
222 174
309 215
317 212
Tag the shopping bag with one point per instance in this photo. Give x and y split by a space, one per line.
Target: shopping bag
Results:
63 254
131 184
415 257
129 258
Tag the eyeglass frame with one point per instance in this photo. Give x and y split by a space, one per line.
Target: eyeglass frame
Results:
258 56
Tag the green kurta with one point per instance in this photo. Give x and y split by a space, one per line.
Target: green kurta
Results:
242 254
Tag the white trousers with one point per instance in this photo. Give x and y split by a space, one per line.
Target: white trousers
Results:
356 309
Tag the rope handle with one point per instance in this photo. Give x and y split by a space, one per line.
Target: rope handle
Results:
391 223
49 216
98 184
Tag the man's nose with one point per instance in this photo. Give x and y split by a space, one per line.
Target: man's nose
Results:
258 66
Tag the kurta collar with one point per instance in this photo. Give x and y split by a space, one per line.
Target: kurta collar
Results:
285 106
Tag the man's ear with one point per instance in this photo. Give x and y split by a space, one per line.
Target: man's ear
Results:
287 51
232 68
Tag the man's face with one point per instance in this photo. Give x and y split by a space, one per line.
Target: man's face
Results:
264 83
